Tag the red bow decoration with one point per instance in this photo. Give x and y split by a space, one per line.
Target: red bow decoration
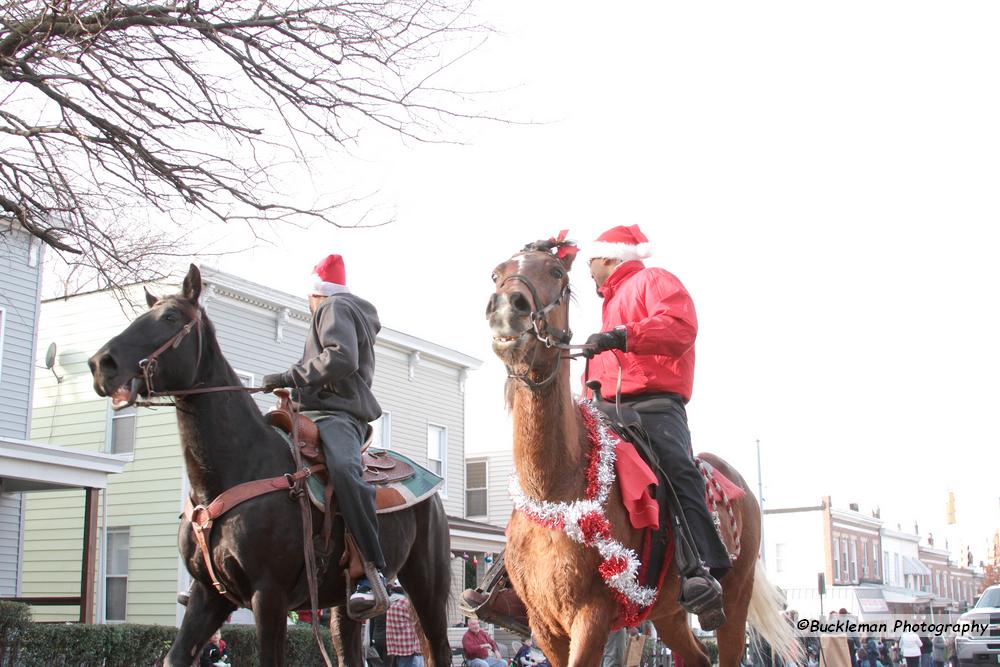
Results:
565 248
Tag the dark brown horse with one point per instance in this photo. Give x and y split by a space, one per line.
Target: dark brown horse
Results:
570 608
256 547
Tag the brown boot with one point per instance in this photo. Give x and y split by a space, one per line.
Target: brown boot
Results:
473 599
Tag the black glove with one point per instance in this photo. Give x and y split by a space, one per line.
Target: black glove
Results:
606 340
273 381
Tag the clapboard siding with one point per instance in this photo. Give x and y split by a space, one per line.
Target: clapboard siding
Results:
19 285
10 541
19 288
146 496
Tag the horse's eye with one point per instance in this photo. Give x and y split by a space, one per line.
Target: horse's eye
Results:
557 272
170 316
494 276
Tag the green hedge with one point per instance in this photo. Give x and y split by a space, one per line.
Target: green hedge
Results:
27 644
15 623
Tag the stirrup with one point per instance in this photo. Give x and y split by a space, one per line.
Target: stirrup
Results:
472 600
704 600
380 597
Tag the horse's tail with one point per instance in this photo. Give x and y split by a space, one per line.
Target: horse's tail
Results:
765 617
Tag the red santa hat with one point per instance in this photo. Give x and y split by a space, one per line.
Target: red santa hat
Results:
621 242
329 276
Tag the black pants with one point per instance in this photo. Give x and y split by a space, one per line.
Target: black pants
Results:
342 437
665 421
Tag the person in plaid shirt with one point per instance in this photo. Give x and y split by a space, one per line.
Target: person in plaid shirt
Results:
401 641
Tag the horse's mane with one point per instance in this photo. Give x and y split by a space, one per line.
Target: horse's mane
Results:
548 245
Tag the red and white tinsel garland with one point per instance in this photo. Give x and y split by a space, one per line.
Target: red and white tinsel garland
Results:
585 521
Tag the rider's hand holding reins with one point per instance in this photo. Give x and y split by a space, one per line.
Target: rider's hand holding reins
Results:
273 381
616 339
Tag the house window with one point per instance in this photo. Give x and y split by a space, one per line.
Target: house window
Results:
875 559
895 564
845 561
121 434
779 557
836 559
864 558
382 431
886 569
854 561
116 575
475 488
246 379
437 453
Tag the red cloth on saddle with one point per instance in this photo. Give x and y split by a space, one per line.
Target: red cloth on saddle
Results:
635 478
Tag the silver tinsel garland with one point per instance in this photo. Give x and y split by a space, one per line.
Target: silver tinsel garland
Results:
566 515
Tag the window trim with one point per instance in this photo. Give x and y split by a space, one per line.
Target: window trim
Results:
385 439
486 487
443 491
109 430
245 375
119 530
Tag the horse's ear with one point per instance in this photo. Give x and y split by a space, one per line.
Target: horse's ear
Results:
567 260
151 298
192 284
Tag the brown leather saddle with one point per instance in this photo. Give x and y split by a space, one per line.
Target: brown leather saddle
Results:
378 466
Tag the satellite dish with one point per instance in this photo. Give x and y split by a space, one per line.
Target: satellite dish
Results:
50 360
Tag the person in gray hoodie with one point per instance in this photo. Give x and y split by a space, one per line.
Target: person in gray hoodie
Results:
334 377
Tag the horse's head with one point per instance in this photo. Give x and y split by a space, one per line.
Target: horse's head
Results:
156 348
529 311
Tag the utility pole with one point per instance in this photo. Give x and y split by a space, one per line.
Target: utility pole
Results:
760 498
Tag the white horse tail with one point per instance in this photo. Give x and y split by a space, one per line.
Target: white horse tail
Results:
765 617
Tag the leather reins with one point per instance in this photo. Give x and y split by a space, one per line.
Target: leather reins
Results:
202 517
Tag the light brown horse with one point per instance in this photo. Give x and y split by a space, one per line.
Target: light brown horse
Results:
570 608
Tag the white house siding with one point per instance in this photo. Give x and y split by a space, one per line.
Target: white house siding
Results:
19 287
10 541
146 497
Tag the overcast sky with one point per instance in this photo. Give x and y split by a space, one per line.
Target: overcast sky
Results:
823 177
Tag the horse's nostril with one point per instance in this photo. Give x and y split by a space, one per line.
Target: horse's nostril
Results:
491 305
107 364
520 303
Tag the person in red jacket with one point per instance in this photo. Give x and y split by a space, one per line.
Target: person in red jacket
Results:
649 329
479 648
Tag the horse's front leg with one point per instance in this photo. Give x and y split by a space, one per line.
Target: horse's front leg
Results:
206 612
346 636
270 611
589 633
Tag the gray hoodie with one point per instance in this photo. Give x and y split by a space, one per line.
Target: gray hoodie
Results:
338 362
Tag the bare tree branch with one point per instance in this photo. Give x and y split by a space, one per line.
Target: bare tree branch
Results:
108 108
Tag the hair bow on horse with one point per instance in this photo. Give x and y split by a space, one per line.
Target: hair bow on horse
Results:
563 247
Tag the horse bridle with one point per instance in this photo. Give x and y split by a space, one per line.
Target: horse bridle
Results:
148 365
558 338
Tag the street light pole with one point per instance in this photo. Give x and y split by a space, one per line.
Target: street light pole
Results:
760 498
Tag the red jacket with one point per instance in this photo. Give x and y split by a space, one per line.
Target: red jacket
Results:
660 325
472 644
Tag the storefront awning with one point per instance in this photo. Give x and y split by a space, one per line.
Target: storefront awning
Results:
914 566
905 597
871 601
